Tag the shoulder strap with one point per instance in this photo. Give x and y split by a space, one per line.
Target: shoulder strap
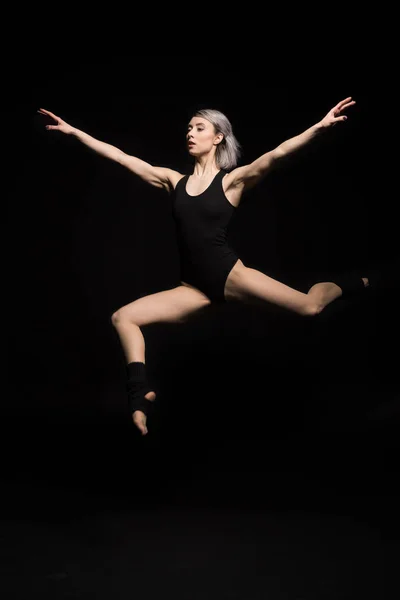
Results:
181 182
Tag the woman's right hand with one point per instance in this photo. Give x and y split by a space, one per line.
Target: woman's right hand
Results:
61 125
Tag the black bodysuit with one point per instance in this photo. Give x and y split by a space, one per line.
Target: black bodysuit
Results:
202 225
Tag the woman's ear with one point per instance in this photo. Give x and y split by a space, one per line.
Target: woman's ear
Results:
218 138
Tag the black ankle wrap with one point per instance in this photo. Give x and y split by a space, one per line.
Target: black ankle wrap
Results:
349 283
137 387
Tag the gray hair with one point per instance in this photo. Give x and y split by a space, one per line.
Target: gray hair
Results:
229 150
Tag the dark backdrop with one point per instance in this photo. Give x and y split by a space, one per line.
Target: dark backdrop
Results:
238 387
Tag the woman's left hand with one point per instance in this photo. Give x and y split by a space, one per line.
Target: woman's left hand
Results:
335 115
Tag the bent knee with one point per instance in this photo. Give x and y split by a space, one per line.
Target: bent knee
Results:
116 318
120 316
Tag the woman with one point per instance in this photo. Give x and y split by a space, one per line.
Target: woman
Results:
204 203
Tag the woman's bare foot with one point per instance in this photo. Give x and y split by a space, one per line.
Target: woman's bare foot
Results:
325 292
139 418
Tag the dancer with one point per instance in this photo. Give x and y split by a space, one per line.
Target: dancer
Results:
203 204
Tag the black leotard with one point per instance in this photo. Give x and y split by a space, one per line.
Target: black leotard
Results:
202 224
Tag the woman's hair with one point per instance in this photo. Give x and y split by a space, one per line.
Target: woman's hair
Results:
229 150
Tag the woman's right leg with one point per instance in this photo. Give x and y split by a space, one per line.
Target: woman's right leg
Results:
170 306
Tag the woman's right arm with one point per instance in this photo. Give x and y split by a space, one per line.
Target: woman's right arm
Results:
161 177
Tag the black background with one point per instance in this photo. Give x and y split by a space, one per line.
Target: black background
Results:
245 395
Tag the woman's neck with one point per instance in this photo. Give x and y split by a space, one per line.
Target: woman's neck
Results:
204 169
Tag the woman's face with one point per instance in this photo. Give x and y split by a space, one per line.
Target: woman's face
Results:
201 136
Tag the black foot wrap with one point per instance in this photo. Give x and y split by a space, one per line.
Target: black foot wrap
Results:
349 283
137 387
381 277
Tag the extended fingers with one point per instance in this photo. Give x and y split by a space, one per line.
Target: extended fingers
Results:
343 104
47 112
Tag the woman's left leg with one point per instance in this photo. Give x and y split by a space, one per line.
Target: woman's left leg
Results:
249 285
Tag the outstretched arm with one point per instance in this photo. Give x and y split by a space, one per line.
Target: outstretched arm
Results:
157 176
250 174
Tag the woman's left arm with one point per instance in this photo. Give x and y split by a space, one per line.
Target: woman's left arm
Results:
248 175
